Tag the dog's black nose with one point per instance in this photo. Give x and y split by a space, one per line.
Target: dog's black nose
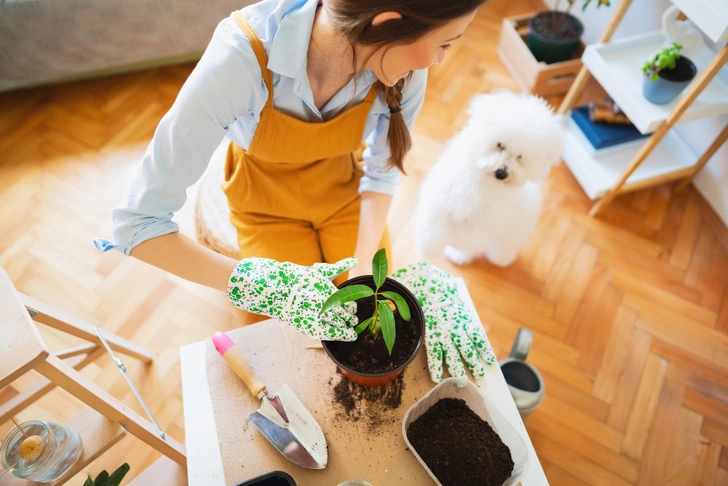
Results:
501 174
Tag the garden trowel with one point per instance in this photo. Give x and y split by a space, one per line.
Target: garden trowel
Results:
281 418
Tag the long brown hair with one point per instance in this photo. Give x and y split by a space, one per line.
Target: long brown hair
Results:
354 19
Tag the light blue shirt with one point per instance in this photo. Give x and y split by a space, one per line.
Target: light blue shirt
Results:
224 96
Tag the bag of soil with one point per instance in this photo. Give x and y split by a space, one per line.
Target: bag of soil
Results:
458 400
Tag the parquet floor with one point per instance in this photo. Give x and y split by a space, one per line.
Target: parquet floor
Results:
630 310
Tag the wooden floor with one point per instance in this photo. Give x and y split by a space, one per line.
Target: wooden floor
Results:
630 310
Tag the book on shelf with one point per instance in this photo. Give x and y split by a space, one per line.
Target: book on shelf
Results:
602 135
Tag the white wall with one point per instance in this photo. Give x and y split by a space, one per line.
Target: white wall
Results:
644 16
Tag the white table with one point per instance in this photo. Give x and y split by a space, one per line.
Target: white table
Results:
204 462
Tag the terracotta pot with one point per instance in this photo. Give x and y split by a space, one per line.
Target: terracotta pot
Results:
417 319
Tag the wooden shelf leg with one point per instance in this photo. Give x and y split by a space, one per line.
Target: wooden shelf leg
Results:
57 319
100 400
580 82
38 389
720 140
697 87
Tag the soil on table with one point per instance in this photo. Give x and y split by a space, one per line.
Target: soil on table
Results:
556 27
459 447
372 406
368 354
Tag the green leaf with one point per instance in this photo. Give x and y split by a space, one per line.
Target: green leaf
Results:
380 267
347 294
89 481
386 320
102 479
118 475
363 325
402 306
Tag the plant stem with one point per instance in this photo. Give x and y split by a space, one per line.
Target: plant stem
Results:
375 326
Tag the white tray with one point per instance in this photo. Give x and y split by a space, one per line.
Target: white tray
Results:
618 68
484 408
598 170
710 16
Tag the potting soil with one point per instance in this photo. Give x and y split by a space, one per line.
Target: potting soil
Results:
459 447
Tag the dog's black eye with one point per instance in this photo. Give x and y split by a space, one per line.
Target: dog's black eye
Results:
501 146
519 157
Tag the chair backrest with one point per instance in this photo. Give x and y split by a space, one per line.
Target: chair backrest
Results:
21 347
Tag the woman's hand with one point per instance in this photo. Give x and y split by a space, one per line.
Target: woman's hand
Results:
294 294
452 332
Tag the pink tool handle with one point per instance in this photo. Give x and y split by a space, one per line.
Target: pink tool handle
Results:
222 342
236 361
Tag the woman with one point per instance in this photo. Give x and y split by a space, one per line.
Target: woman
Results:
298 85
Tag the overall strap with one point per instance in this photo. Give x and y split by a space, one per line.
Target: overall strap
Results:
373 92
259 52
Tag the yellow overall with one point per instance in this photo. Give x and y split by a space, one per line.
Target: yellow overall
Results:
293 194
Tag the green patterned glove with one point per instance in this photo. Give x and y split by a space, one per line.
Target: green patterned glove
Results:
451 331
294 294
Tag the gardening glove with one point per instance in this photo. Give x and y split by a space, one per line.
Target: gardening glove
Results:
451 330
295 295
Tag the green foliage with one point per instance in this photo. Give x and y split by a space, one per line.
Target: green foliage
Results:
665 59
347 294
383 318
557 20
571 3
104 479
379 267
401 304
386 321
587 2
363 325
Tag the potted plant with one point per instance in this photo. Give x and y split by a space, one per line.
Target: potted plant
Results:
555 34
667 74
106 479
391 327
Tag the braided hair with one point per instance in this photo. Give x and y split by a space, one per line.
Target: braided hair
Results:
419 17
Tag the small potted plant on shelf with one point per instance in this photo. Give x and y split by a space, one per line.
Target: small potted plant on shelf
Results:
667 74
391 327
555 34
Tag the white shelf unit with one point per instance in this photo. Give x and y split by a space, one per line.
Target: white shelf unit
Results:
598 170
664 156
710 16
618 68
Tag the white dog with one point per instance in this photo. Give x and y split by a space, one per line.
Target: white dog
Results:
483 196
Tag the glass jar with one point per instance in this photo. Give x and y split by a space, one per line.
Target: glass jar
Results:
62 447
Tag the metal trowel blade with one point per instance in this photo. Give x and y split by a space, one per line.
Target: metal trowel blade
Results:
290 427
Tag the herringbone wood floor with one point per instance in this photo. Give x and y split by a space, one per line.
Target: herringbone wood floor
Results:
630 311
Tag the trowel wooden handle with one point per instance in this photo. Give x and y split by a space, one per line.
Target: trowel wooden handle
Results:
236 361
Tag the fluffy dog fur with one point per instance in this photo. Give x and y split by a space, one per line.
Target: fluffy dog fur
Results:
483 196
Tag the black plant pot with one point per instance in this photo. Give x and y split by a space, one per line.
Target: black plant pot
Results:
554 36
670 82
275 478
417 319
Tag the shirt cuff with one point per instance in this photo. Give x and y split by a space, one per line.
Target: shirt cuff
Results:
146 233
384 187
